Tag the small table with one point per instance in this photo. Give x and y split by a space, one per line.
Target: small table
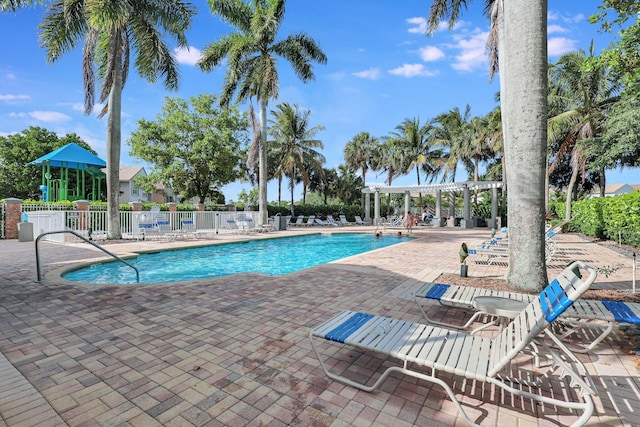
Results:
505 309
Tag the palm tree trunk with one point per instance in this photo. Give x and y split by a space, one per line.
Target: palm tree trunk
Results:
279 189
524 70
572 184
262 162
364 183
113 152
419 194
603 181
291 188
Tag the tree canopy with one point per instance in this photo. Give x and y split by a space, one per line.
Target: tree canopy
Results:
193 146
17 178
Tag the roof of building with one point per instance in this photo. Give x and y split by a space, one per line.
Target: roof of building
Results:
127 173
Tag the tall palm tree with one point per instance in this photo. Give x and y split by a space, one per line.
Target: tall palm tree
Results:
251 52
395 158
110 31
294 143
451 132
419 148
587 96
361 153
521 41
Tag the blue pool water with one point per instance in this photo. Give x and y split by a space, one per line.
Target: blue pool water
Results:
271 256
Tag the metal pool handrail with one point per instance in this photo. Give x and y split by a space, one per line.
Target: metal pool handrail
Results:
86 240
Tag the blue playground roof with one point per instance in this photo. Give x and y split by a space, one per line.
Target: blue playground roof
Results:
70 156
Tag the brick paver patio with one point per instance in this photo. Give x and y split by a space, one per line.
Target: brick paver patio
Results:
235 351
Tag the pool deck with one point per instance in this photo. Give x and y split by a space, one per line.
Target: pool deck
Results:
235 350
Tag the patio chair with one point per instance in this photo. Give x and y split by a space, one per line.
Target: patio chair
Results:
299 221
583 313
472 357
343 220
311 221
359 220
164 228
332 221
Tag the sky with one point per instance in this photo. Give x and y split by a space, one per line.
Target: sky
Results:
382 69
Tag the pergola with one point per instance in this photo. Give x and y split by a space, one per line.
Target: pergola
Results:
436 189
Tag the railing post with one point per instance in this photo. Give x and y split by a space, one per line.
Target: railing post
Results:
82 207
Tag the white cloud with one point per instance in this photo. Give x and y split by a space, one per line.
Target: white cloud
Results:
552 29
419 25
560 45
43 116
188 56
10 76
371 74
431 53
570 19
14 98
472 52
412 70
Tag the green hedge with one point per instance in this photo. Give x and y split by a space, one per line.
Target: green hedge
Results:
616 218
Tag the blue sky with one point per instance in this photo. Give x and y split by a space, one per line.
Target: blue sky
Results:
381 69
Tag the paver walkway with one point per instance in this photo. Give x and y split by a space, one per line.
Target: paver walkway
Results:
235 351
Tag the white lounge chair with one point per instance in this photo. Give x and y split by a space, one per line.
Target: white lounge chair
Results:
188 229
583 313
473 357
299 221
311 221
359 220
332 221
343 221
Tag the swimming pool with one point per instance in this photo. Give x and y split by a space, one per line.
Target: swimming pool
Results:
269 256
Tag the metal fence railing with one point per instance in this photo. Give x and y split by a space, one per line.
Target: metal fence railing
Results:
93 223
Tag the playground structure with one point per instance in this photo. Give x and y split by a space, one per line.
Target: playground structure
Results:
67 159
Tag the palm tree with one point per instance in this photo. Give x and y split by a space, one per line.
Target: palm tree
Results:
251 52
348 185
451 131
419 148
294 144
587 96
395 160
110 31
521 38
361 154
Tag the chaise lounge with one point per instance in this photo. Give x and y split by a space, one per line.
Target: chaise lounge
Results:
473 357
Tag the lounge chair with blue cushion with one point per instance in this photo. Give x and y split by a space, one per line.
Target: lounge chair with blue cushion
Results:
311 221
473 357
332 221
299 221
344 221
359 221
596 314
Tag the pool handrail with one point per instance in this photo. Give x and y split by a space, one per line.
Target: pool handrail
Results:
86 240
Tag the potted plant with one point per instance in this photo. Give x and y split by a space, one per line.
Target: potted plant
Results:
464 253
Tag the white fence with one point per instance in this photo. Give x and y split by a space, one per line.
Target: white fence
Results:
93 223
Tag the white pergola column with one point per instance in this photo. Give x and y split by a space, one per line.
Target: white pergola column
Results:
452 204
407 204
494 208
438 208
467 209
376 208
367 207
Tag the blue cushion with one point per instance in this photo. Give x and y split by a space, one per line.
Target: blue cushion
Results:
349 326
